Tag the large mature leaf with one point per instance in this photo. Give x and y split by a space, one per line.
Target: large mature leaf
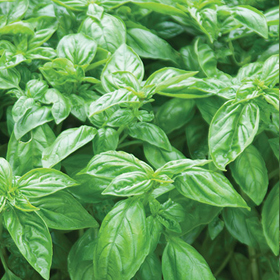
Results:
208 187
9 78
181 261
250 172
78 48
33 118
43 181
124 59
270 219
252 19
232 129
151 134
63 212
270 71
31 236
122 244
149 45
109 32
6 176
66 143
111 164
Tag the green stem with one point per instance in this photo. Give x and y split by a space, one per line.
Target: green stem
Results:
224 263
123 138
130 143
254 264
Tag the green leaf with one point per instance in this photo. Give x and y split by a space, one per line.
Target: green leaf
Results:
62 211
32 118
122 242
240 267
14 10
109 32
270 219
61 106
121 97
6 176
232 129
75 5
215 227
124 59
43 181
22 203
274 144
24 156
150 269
129 184
77 48
158 157
270 71
252 19
180 260
9 275
81 255
105 140
174 167
148 45
174 114
151 134
111 164
32 238
208 187
9 78
250 173
66 143
36 89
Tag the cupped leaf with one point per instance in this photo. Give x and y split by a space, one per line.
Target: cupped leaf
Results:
250 172
124 59
151 134
270 219
111 164
31 236
129 184
66 143
109 32
180 261
232 129
122 242
208 187
43 181
77 48
62 211
251 18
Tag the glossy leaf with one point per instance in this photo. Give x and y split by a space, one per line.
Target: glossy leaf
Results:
250 172
66 143
6 176
31 236
180 260
119 255
208 187
232 129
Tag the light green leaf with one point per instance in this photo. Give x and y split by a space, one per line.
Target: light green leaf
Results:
250 173
274 144
62 211
270 71
270 219
251 18
109 32
124 59
14 10
119 97
43 181
181 261
150 133
208 187
232 129
129 184
75 5
31 236
66 143
122 242
6 176
9 78
111 164
78 48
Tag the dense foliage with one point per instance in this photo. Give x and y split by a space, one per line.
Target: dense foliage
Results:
139 140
